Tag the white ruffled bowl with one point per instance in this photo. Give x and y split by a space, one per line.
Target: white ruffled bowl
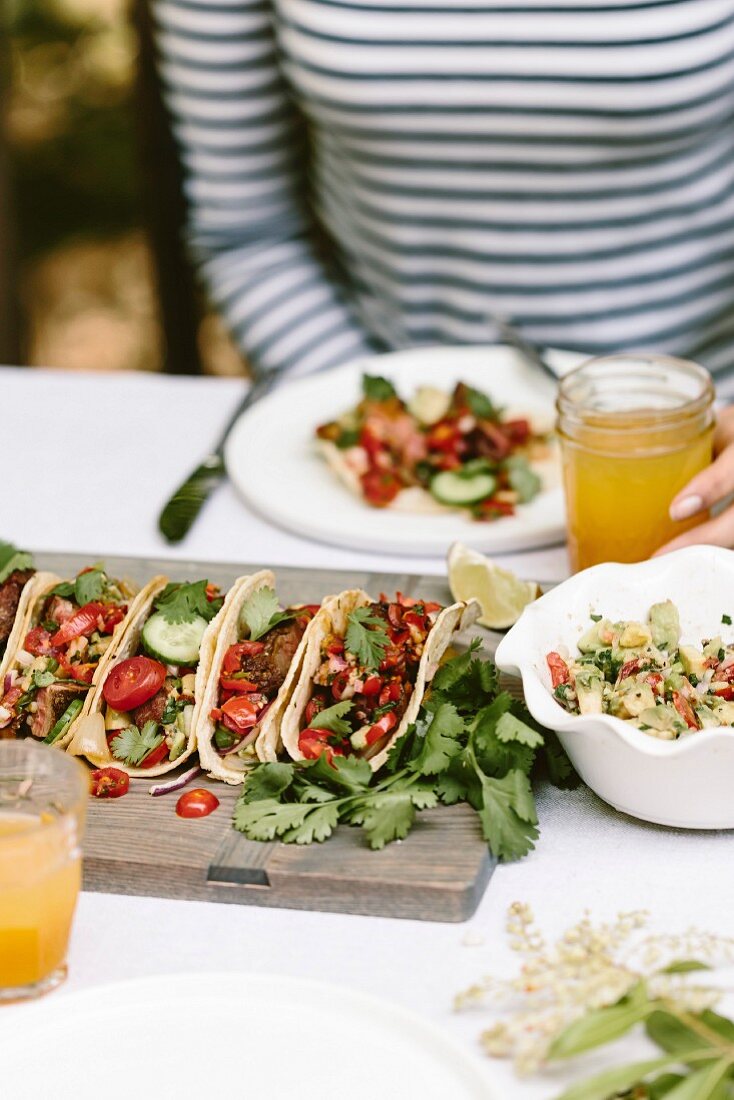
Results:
688 783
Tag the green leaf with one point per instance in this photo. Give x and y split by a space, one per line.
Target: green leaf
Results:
603 1025
345 774
662 1085
132 745
317 826
704 1083
480 404
672 1034
376 388
522 478
439 732
65 589
510 728
507 814
332 718
386 816
423 797
12 559
555 765
366 637
684 966
268 818
267 781
180 603
261 612
722 1025
90 586
615 1081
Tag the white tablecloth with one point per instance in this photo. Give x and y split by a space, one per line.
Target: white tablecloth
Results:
87 461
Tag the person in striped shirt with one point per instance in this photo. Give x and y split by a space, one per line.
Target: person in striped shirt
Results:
367 175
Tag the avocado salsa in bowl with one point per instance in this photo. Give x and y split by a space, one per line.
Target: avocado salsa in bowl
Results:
633 667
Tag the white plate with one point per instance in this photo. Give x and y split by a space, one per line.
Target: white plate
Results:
272 461
219 1035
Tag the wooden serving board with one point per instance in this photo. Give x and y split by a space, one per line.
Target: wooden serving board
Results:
137 844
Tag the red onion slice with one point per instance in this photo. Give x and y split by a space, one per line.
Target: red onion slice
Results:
177 783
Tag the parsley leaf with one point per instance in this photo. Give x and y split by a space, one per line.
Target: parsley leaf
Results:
182 603
12 559
376 388
366 637
133 745
332 718
261 612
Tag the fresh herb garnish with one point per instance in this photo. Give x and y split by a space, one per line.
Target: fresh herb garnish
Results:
366 637
133 745
173 708
595 618
480 404
88 587
726 620
469 744
348 437
12 559
376 388
181 603
332 718
522 478
261 612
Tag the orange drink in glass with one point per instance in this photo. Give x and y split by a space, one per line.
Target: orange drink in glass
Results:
634 430
43 796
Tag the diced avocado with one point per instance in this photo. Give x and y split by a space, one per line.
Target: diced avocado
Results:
676 681
724 710
634 634
713 647
632 698
429 404
592 641
707 717
359 738
589 689
116 720
665 625
663 718
178 746
694 662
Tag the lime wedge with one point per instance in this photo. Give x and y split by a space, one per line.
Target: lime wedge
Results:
501 595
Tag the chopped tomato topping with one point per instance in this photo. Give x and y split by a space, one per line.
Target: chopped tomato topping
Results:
685 710
314 743
238 687
380 487
84 622
558 669
38 642
372 685
239 713
83 672
629 669
233 657
381 728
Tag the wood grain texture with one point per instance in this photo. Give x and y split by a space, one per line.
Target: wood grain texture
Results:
137 844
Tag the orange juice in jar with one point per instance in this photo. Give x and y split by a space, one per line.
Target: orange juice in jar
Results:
634 430
42 808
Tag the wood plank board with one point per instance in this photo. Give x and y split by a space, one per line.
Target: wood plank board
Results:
137 844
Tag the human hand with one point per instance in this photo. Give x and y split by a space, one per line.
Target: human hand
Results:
706 489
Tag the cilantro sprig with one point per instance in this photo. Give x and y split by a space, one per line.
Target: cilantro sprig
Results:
181 603
333 718
377 388
261 612
89 586
132 745
366 637
470 743
12 559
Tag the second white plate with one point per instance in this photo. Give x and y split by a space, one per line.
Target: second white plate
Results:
272 460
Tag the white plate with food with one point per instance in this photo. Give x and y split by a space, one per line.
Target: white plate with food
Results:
633 666
219 1034
416 466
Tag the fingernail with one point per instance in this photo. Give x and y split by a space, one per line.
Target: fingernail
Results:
686 507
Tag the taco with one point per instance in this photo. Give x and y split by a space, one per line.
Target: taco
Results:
251 678
143 713
60 651
366 666
439 452
17 579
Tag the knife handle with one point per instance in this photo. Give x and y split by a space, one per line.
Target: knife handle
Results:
184 506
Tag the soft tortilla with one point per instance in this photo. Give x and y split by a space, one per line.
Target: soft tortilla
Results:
41 585
38 583
90 739
232 769
332 619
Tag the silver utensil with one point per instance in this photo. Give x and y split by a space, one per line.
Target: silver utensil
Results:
527 348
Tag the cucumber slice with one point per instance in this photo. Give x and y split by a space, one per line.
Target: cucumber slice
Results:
174 643
64 721
454 487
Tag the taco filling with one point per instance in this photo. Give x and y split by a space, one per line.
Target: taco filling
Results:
148 698
366 678
254 668
70 631
16 570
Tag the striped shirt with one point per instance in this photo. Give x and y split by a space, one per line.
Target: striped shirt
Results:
374 174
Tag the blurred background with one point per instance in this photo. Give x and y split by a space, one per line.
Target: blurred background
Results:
92 273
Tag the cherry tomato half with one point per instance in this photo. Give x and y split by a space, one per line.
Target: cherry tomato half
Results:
156 756
239 713
109 783
197 803
83 622
133 682
38 642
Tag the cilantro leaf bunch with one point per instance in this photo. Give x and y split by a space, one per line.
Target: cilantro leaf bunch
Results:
184 602
261 612
470 743
366 637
